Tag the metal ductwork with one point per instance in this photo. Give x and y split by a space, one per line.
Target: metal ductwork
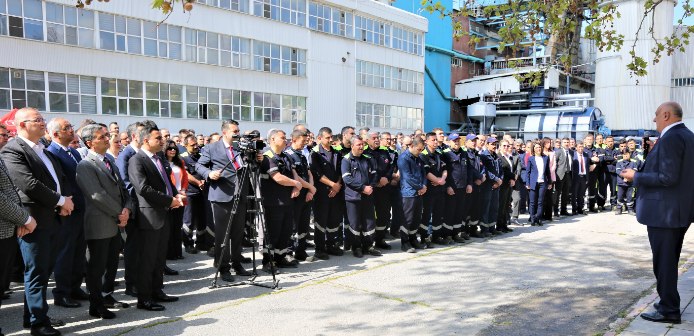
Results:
540 111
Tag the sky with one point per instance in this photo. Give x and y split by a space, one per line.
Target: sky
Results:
678 14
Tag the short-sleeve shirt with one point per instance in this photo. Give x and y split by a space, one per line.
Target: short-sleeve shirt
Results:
273 193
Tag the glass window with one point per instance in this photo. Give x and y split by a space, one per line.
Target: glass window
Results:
288 11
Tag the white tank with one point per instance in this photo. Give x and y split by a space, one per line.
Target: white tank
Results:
626 105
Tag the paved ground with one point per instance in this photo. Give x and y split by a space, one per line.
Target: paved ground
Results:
570 277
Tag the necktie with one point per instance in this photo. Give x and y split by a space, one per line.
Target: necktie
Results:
580 160
72 156
163 175
233 158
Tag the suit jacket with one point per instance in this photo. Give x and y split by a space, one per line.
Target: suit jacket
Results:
564 158
664 188
122 162
69 167
532 170
509 169
575 165
151 191
215 158
37 188
12 213
105 197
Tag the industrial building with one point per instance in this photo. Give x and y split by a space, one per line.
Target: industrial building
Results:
266 64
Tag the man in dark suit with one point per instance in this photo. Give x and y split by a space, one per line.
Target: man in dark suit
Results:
45 193
107 208
14 220
509 165
564 157
71 259
665 204
222 179
130 250
156 195
581 168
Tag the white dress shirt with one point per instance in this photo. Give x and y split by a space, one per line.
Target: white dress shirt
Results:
540 169
66 150
667 128
154 161
38 148
238 159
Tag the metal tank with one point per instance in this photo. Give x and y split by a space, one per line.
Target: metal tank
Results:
484 113
628 105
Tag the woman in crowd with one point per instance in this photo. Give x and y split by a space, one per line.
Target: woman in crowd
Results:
548 151
179 178
538 180
116 146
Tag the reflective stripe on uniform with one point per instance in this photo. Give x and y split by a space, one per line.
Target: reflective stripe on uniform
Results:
448 227
209 231
345 174
320 228
423 227
368 233
302 236
264 176
380 228
333 230
436 228
354 232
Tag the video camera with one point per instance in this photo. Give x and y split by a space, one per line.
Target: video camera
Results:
248 147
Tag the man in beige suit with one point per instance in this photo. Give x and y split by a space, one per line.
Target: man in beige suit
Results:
107 207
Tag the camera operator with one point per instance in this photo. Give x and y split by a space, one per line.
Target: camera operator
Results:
304 202
222 180
279 183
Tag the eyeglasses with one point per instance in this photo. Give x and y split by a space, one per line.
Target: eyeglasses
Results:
5 135
171 148
67 128
37 120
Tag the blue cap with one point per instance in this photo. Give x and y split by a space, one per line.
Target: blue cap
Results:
470 137
491 140
453 136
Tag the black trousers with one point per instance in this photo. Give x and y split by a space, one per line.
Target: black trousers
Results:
327 214
412 208
625 197
548 201
562 191
175 240
195 219
666 245
611 186
362 222
471 208
381 201
432 214
592 189
8 251
398 217
454 211
279 223
150 267
232 251
579 193
103 255
131 253
302 219
601 197
503 214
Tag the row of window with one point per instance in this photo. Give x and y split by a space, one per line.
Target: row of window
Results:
81 94
682 82
456 61
387 77
387 116
69 25
329 20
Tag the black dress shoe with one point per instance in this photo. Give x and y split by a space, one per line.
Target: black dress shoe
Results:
150 305
284 263
565 214
486 234
164 298
102 312
51 321
658 317
226 276
110 302
322 255
656 306
66 302
44 330
169 271
417 245
131 291
79 295
476 235
334 250
246 260
191 250
357 253
383 245
180 257
239 270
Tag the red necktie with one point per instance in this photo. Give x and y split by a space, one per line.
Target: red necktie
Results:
656 141
580 159
236 164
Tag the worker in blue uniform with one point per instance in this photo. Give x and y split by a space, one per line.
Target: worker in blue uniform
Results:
625 188
412 185
490 188
303 202
472 212
435 168
383 167
458 185
594 170
361 178
609 165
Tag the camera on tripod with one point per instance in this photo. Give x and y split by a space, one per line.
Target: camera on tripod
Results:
248 147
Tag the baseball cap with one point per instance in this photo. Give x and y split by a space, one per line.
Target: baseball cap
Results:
470 137
491 140
453 136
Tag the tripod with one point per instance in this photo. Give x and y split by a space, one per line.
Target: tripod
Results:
250 174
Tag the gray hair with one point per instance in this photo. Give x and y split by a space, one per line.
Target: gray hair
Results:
518 142
372 132
271 133
88 132
53 127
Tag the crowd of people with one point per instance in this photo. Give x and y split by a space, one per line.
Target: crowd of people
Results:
72 200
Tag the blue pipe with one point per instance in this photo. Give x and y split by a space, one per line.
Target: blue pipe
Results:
436 84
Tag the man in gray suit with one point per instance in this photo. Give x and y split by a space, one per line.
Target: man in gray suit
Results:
107 208
564 161
14 220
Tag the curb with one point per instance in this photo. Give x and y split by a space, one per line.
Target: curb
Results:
621 323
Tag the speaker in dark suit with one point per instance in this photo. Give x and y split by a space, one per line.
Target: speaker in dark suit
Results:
580 167
508 164
538 179
45 193
665 204
131 251
156 195
71 258
564 158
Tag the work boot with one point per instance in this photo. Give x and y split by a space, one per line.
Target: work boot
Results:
631 212
374 252
449 240
320 254
407 248
300 255
494 231
335 250
458 238
486 234
383 245
440 241
618 212
417 245
476 234
357 252
427 242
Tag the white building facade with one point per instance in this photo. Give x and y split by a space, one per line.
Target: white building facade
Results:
267 64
